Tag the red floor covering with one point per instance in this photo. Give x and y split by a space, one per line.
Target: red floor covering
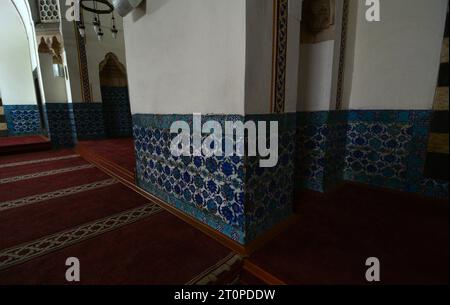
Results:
119 151
11 141
155 249
158 250
19 144
40 167
337 233
19 225
19 189
35 156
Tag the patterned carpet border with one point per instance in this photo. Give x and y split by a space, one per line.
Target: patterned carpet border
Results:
45 173
27 251
16 203
38 161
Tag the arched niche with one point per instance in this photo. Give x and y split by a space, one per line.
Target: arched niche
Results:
112 72
115 98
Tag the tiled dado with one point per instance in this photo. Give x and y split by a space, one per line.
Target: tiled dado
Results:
321 138
116 111
3 126
269 191
69 122
89 120
61 124
230 194
381 147
22 119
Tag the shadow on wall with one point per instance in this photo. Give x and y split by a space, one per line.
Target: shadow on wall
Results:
144 8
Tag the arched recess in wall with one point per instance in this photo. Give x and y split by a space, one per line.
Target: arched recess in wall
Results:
115 98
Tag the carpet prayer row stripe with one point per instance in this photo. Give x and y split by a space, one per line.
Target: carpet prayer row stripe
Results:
25 252
45 173
38 161
6 205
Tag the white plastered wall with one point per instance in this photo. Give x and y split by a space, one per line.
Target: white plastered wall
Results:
187 56
95 50
393 64
54 87
16 80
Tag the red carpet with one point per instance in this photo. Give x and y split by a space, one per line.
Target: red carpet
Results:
336 234
119 236
40 167
118 151
41 185
40 219
328 245
32 157
158 250
10 145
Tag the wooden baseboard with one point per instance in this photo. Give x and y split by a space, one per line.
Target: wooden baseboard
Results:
262 274
271 234
127 178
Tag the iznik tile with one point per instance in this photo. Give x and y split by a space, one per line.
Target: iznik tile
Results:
385 148
61 122
22 119
116 111
231 194
89 120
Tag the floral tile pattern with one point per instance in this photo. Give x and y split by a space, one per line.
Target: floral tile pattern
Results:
316 150
212 186
269 192
61 123
384 148
89 120
378 153
230 194
22 119
116 111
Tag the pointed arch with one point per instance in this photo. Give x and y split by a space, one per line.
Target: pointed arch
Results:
112 72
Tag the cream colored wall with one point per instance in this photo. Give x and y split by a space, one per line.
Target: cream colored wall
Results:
16 80
318 70
187 56
209 56
95 50
54 87
258 59
393 64
316 75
